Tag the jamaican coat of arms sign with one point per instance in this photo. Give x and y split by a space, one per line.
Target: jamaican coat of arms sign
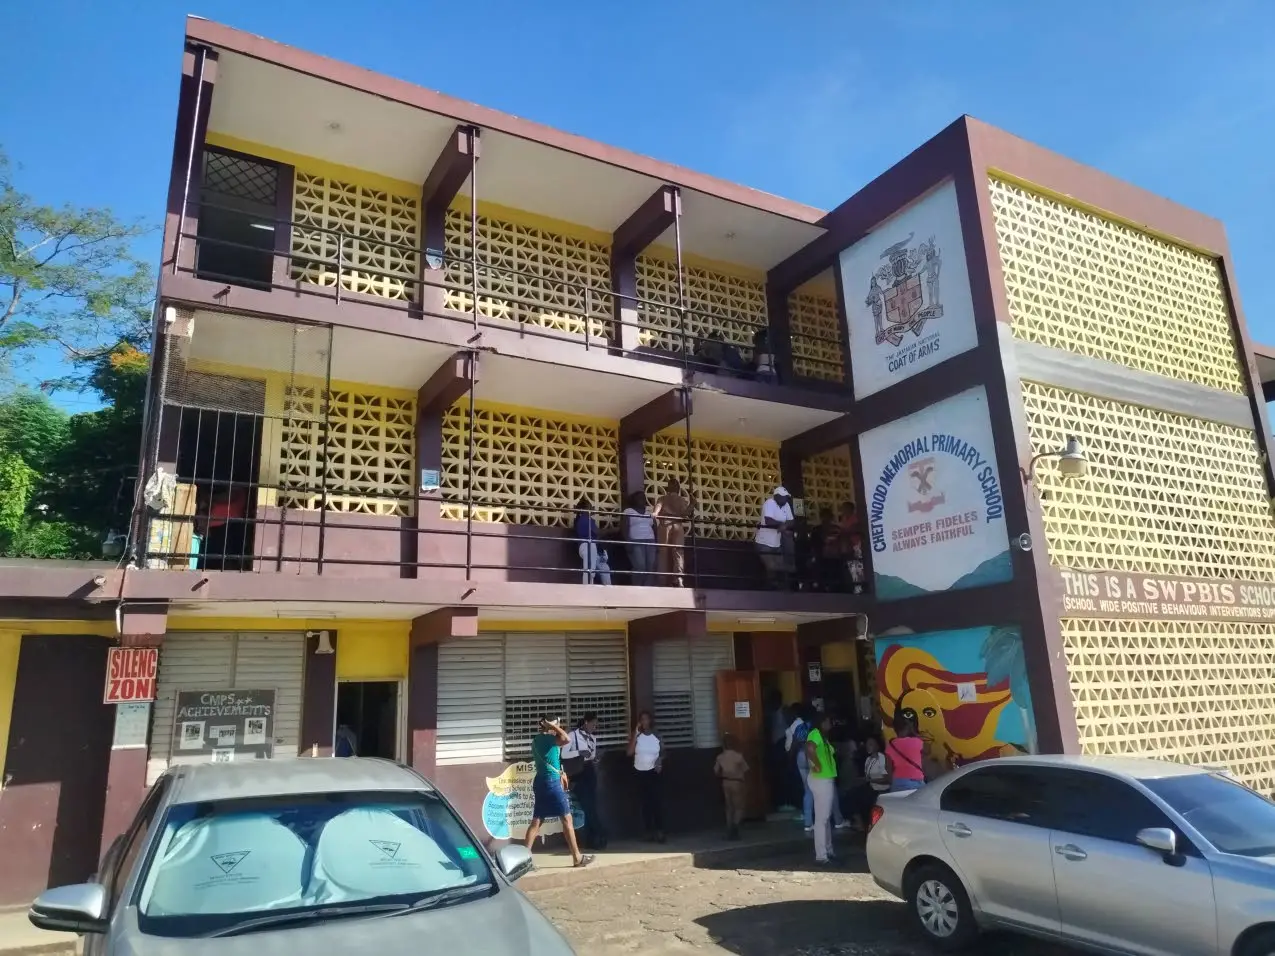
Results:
907 294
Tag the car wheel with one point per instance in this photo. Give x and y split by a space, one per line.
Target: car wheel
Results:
941 908
1260 944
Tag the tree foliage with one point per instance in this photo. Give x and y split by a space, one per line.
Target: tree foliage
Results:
68 278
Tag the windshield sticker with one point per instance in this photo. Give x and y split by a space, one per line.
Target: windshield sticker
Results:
467 853
228 861
223 756
388 847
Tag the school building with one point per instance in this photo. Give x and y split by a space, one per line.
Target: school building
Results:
401 339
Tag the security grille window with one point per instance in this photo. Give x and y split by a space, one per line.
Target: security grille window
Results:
493 689
685 689
236 213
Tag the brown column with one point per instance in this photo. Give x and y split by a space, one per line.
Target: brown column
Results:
633 235
422 680
126 771
449 382
318 705
194 101
452 167
643 633
780 332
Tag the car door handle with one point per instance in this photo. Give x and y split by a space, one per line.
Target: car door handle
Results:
1070 851
959 830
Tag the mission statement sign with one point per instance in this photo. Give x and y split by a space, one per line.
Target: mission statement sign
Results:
1122 595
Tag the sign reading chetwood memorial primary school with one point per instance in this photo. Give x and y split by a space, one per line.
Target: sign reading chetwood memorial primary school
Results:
1122 595
907 294
936 518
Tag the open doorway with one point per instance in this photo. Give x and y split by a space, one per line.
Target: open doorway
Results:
367 717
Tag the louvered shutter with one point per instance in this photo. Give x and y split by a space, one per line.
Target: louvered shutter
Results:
186 662
674 720
470 700
275 662
598 682
713 653
535 686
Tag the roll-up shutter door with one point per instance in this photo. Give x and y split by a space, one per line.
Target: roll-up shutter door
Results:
470 700
273 661
535 685
710 654
598 682
672 690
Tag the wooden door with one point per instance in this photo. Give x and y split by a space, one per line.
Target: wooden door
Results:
54 797
739 713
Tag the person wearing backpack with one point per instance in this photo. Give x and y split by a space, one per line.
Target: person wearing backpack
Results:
580 764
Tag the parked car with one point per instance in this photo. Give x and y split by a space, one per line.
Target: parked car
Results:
1111 855
340 856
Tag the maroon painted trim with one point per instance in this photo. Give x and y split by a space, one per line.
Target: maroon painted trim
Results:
1256 388
318 700
191 96
422 709
451 168
125 791
344 74
670 408
449 383
647 223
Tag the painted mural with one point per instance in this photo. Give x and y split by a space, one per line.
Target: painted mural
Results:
507 805
967 690
936 516
903 318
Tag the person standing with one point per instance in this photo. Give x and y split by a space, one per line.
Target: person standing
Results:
905 755
580 761
648 762
732 770
876 782
549 789
639 533
672 512
774 539
592 558
823 786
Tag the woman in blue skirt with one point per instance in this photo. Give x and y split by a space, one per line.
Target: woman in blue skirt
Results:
549 788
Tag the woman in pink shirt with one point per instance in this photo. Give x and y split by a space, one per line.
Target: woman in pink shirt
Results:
905 756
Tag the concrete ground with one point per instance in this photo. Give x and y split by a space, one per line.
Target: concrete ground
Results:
778 907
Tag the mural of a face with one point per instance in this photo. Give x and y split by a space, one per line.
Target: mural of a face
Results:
924 708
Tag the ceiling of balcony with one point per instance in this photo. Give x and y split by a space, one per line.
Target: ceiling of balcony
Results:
236 345
265 103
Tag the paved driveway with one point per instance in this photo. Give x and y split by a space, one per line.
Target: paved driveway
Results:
782 908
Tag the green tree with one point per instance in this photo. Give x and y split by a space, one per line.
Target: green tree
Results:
68 278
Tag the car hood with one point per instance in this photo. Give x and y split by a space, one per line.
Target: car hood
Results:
502 925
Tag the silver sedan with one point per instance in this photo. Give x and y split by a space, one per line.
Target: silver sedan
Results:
310 855
1111 855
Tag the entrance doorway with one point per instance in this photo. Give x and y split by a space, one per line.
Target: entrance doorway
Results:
370 711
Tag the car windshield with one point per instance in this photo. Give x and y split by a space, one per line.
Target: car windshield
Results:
1228 814
218 864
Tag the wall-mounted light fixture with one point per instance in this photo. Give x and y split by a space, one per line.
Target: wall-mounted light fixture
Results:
1072 460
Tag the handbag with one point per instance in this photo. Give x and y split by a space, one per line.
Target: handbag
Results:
573 766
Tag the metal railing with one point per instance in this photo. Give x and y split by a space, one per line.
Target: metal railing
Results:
250 526
704 350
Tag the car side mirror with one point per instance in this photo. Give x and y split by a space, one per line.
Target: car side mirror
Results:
514 861
80 908
1160 839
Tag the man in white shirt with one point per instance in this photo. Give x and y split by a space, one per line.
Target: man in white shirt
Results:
775 540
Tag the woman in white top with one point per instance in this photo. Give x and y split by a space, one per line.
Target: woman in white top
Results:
648 761
639 537
864 796
580 762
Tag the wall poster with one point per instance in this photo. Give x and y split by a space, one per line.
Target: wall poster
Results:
966 689
224 725
907 294
935 514
507 805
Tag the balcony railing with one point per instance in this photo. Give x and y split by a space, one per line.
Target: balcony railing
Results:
248 526
698 338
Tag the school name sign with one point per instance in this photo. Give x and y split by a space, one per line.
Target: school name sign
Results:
1123 595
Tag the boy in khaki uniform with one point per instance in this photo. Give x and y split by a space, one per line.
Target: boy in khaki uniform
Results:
731 768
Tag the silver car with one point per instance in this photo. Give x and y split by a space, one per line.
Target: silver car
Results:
318 856
1111 855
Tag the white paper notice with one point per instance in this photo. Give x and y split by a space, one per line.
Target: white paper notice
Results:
967 693
742 709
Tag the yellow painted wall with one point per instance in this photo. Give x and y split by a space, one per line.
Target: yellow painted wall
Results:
372 652
9 643
790 686
839 656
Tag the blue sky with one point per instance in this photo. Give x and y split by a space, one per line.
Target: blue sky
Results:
809 99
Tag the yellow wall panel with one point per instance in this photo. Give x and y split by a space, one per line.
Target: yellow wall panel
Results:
816 336
828 480
10 641
1096 287
730 483
372 653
